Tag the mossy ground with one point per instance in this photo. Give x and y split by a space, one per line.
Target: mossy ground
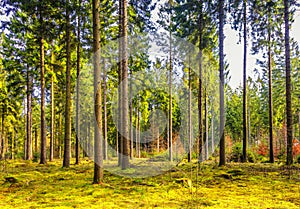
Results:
185 186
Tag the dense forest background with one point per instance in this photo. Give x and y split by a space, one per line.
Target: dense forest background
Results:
63 61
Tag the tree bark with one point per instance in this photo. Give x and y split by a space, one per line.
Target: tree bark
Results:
271 148
98 142
245 135
77 145
67 144
124 85
221 65
170 95
52 110
42 66
200 117
105 114
289 159
29 117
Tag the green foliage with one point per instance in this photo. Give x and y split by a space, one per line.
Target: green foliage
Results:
237 154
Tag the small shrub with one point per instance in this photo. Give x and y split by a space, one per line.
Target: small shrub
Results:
237 152
252 157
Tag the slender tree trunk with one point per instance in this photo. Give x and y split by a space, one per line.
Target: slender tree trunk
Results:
271 149
98 142
222 81
60 136
77 145
170 95
29 118
245 135
43 117
212 133
67 144
200 117
289 159
138 136
130 116
190 118
105 114
120 94
124 85
206 125
36 140
52 132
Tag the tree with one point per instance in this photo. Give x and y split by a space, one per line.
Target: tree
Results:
221 69
239 14
98 157
77 145
42 78
124 83
289 118
67 144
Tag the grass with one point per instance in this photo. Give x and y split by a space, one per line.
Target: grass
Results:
234 186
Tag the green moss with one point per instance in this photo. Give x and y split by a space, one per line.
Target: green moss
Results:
188 186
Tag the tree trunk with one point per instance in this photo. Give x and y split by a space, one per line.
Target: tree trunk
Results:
245 135
43 117
130 117
77 145
206 124
29 118
105 114
170 95
222 81
200 117
98 142
212 133
190 118
67 144
124 85
271 148
36 140
289 158
52 110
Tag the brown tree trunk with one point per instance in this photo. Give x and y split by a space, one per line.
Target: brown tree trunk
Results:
67 144
52 110
105 114
29 118
222 81
77 145
98 142
124 85
130 117
289 158
170 95
43 117
200 117
271 148
245 135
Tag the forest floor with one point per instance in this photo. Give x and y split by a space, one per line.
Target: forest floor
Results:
30 185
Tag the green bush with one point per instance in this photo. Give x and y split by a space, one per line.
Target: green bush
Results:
252 157
237 152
